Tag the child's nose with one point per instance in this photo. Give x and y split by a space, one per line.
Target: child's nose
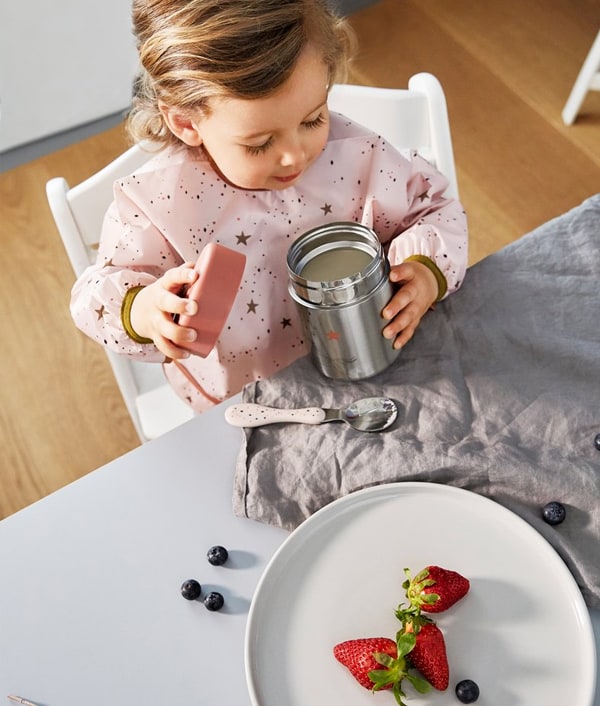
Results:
292 152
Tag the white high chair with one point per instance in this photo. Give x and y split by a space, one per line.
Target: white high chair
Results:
413 118
587 80
78 212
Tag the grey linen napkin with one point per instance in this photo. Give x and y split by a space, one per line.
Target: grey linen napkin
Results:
498 393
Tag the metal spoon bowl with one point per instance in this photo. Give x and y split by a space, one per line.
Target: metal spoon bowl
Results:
367 414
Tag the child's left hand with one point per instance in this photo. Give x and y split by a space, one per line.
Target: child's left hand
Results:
417 292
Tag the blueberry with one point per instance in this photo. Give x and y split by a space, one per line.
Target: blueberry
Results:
597 441
191 589
467 691
554 513
214 601
217 555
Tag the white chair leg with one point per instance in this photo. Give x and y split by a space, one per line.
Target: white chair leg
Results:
587 80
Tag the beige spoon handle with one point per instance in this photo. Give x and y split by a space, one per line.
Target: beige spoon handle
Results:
255 415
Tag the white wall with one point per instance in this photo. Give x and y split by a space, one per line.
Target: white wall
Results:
65 63
62 64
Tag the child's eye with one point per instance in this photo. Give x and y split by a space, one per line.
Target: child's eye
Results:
317 122
259 149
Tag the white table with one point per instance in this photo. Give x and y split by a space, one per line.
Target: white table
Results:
90 606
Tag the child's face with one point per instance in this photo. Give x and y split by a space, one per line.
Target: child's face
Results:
268 143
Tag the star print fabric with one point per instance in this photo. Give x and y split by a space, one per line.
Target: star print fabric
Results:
165 213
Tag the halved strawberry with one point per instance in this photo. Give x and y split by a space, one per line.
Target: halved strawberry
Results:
435 589
379 663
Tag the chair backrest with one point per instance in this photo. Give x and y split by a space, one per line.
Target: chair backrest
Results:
413 118
78 213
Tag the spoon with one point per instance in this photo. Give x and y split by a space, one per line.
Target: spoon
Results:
368 414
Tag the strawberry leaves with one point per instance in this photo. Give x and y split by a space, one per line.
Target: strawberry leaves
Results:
415 588
405 643
396 669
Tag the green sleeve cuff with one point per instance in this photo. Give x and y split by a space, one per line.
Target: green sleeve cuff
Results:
126 305
441 280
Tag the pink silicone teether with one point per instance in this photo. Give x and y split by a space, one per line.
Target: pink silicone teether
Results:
220 273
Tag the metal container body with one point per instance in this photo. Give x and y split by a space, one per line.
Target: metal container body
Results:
341 316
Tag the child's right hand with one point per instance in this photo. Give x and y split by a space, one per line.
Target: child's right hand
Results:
153 309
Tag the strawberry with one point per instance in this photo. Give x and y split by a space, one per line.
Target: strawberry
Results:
359 657
429 654
435 589
379 663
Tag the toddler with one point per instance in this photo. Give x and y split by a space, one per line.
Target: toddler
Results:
233 94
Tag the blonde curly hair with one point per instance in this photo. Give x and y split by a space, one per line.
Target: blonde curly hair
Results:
193 50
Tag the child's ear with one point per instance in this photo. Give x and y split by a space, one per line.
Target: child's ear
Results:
181 125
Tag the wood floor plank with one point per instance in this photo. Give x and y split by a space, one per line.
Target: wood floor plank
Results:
525 52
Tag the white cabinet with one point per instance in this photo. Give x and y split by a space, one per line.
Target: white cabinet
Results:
62 64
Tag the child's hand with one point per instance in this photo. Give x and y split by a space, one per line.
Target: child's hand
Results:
418 291
153 309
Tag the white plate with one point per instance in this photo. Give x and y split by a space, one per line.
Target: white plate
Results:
523 632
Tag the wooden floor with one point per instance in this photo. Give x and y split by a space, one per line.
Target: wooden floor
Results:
507 69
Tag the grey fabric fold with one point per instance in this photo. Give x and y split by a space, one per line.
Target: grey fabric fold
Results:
498 393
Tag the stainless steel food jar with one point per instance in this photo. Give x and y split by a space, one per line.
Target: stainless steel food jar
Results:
339 279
